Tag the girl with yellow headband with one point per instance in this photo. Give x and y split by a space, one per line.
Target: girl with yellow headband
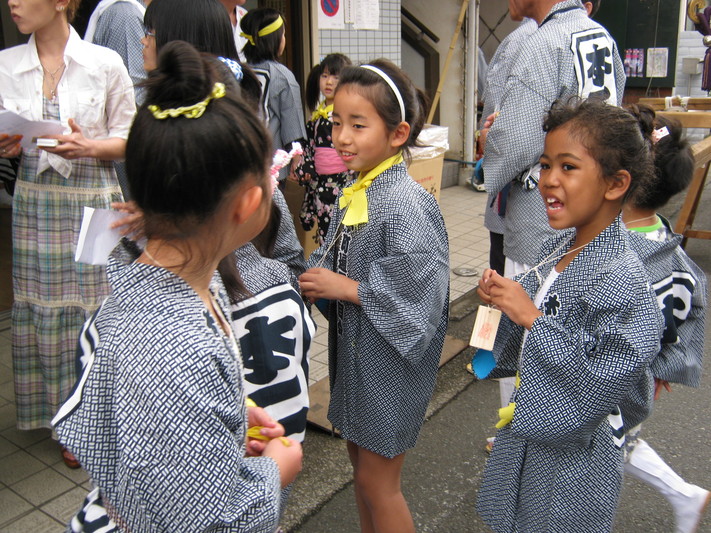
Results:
386 275
264 30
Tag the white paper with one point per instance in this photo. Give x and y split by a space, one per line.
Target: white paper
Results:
348 10
331 15
96 238
657 62
366 15
13 124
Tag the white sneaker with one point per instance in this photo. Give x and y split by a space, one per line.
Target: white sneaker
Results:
689 516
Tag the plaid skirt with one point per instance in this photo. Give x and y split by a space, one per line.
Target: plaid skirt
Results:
53 295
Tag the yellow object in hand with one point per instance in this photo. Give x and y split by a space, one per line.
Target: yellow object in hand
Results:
506 415
255 433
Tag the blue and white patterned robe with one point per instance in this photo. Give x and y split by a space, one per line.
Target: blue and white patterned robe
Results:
556 467
158 417
544 70
275 331
680 287
384 354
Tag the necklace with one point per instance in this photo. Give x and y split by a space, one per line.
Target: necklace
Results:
55 79
148 254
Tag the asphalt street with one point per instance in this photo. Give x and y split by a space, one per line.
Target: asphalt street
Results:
442 474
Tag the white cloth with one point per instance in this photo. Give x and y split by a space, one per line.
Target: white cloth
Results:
99 10
239 40
95 90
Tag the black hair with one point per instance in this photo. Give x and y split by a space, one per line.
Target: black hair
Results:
265 48
204 24
376 90
673 161
333 63
595 7
612 136
179 169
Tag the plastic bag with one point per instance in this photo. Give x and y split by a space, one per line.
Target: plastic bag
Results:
434 141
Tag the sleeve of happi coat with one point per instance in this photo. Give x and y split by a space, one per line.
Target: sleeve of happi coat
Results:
573 374
407 287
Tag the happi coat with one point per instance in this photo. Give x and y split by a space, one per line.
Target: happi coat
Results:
681 291
384 354
158 417
557 467
568 55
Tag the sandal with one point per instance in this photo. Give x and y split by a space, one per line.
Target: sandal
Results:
69 459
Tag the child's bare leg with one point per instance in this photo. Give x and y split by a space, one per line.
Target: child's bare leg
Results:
377 481
366 522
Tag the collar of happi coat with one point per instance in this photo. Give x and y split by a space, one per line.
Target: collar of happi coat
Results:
354 198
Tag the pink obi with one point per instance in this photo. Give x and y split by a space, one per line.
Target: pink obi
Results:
327 161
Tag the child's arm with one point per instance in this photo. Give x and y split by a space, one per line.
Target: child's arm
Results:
574 373
322 283
684 311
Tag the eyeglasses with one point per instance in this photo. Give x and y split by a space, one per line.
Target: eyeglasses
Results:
149 33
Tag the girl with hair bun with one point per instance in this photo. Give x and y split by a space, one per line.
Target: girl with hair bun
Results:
159 417
386 276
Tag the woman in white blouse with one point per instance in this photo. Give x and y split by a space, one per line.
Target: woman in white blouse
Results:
57 76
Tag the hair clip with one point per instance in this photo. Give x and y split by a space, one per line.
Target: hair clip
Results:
266 30
193 111
280 160
234 66
658 135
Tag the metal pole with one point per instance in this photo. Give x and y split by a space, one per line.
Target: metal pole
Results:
472 73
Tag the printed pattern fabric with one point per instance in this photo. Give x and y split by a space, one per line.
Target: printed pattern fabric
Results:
544 70
322 190
120 28
681 290
558 465
158 417
53 294
275 331
497 74
384 354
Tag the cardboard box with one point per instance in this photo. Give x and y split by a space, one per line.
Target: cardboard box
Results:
428 173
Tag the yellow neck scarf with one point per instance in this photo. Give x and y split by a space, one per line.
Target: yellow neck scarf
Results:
354 197
323 111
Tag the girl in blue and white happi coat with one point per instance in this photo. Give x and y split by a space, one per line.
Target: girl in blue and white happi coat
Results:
681 289
158 418
387 276
578 330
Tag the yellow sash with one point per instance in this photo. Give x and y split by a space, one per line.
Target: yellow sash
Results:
322 111
354 197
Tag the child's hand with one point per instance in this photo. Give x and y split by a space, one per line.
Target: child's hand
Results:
270 428
510 297
287 457
660 384
322 283
132 223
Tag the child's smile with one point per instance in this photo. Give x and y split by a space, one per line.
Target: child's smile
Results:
359 133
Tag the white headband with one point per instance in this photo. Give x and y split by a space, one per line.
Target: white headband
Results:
392 85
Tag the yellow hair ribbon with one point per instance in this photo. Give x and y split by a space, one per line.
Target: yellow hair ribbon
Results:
266 30
354 197
193 111
322 111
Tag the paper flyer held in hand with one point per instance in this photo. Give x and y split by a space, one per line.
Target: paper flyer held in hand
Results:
96 238
13 124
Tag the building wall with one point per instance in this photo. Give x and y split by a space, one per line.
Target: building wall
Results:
363 45
689 45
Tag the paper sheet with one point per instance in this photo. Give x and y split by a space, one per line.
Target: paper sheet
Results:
331 15
13 124
96 239
366 15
